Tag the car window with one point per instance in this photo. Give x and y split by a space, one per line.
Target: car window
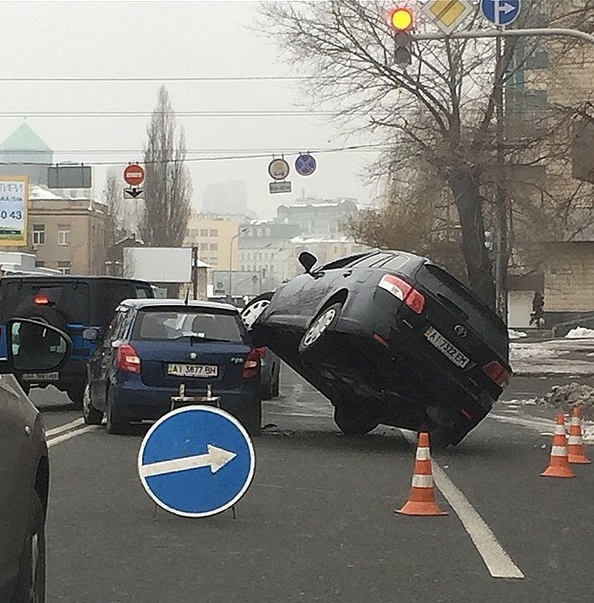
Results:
188 322
343 262
111 294
396 262
117 327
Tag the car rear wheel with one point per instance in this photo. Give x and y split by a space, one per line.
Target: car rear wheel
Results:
357 419
276 381
91 415
115 425
252 420
76 394
254 308
320 324
31 579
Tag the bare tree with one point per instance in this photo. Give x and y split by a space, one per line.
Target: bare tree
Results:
440 112
112 195
168 187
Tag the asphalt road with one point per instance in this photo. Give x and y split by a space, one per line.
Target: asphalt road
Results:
318 522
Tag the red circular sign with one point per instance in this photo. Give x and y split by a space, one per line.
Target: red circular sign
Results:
134 174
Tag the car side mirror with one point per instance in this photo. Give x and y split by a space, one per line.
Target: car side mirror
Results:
91 334
307 260
36 346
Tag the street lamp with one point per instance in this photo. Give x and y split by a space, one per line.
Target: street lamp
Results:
231 261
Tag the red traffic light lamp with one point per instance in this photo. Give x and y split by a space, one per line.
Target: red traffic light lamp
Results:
401 19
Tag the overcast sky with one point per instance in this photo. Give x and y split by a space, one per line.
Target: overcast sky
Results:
133 39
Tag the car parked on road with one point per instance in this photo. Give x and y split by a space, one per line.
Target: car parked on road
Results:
72 304
390 337
155 347
24 466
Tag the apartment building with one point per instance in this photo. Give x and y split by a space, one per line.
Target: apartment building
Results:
65 234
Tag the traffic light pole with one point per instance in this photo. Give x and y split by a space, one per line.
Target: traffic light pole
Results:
501 240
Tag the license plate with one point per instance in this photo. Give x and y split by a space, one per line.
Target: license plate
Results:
446 348
41 376
192 370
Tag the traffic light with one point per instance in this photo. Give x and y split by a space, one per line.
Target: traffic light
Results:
402 21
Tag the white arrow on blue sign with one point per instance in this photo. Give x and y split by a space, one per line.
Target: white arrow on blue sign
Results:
501 12
196 461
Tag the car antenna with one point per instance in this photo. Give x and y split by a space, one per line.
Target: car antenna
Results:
187 297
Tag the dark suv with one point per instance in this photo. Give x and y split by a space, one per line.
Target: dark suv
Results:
73 304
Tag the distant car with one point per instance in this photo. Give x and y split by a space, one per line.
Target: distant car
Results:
271 363
72 304
155 346
390 337
24 466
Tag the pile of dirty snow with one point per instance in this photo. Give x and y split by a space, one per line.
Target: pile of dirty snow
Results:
516 334
565 397
580 333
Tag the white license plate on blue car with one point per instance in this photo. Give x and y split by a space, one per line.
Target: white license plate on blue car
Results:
192 370
446 348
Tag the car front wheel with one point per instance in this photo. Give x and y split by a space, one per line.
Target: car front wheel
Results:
357 419
91 415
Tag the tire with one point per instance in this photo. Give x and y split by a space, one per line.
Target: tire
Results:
254 308
115 425
355 419
253 421
266 390
276 383
76 394
91 416
31 579
321 323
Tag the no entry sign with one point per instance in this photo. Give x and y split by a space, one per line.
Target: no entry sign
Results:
134 174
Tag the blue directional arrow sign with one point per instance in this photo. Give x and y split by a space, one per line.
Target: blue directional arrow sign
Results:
501 12
305 164
196 461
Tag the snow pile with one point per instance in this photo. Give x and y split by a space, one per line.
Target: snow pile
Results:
516 334
580 333
565 397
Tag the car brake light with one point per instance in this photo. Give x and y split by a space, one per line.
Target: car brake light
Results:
251 366
41 300
498 373
128 359
414 299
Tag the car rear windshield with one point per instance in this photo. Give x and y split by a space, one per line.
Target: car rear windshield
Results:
69 299
479 316
217 325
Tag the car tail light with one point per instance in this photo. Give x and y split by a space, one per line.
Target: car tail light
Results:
414 299
251 366
498 373
128 359
41 300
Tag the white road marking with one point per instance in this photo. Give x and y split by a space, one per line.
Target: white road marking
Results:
498 562
62 428
70 434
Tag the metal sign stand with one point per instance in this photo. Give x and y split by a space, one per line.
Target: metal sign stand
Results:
180 400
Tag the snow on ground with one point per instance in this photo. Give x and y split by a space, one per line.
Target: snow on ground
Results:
580 333
516 334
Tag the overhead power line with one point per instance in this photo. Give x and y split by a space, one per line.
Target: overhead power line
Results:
243 78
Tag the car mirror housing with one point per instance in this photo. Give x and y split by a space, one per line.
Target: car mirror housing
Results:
36 346
307 260
91 334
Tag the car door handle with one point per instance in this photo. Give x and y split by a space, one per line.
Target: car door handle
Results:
347 273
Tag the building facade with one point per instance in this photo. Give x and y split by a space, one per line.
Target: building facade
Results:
326 218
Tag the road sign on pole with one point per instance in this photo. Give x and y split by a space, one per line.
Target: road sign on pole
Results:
447 14
501 12
134 174
305 164
196 461
278 169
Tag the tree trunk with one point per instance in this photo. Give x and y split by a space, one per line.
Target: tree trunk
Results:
469 203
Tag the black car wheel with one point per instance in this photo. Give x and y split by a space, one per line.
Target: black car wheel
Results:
31 580
76 394
114 425
252 419
321 323
266 389
254 308
276 382
356 419
91 415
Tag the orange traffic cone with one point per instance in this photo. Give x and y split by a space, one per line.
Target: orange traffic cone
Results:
559 463
576 451
421 500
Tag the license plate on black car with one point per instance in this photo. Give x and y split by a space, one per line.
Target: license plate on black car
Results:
192 370
41 376
446 348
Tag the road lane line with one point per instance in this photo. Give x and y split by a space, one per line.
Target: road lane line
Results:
71 434
498 562
62 428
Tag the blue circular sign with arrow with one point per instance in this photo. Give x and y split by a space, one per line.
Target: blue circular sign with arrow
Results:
196 461
305 164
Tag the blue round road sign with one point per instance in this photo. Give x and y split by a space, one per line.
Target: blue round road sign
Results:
305 165
196 461
501 12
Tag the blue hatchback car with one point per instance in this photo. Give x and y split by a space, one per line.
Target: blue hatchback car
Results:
161 353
